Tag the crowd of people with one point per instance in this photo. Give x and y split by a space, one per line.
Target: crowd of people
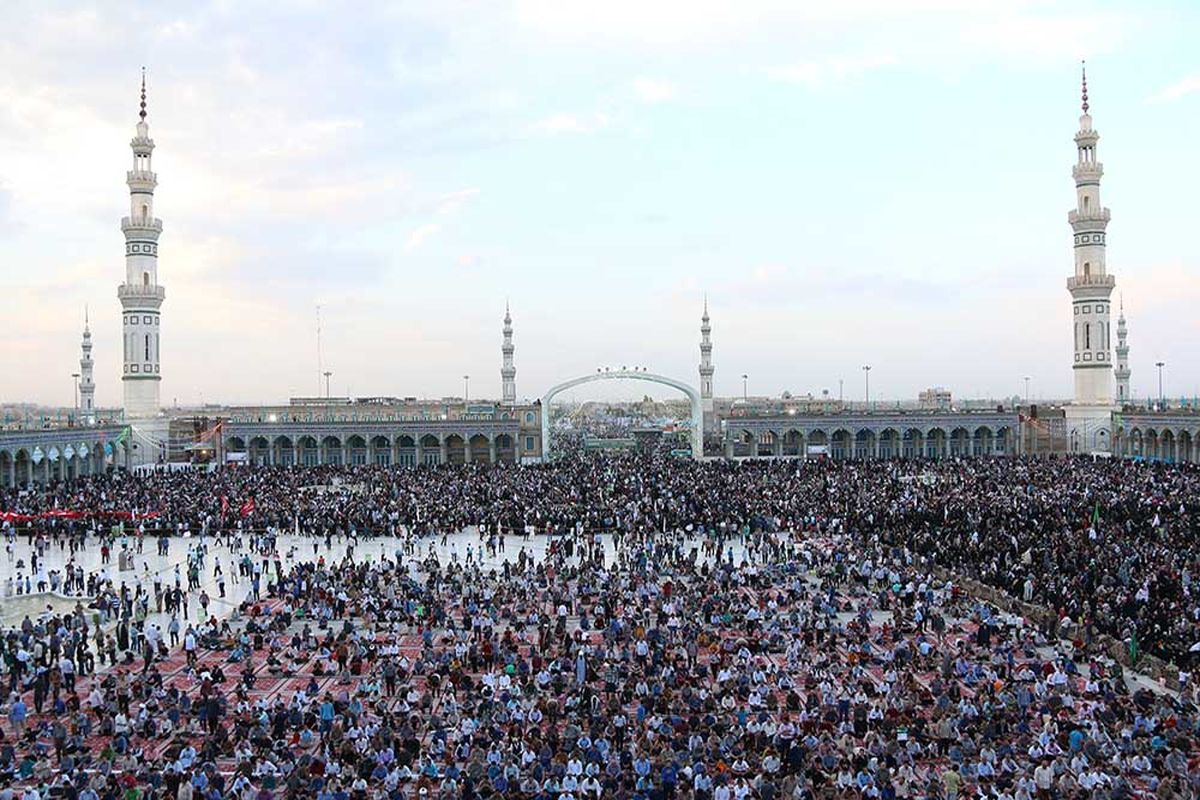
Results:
685 631
1107 543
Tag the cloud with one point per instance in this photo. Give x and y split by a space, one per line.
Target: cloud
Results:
311 138
419 235
453 202
652 91
557 124
1178 90
816 74
6 204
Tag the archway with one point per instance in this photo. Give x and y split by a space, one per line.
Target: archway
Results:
331 451
406 451
506 451
889 443
357 447
692 394
767 444
260 451
381 451
840 444
307 453
430 450
1167 446
912 444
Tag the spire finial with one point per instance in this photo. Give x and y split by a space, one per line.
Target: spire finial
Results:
85 315
142 113
1085 102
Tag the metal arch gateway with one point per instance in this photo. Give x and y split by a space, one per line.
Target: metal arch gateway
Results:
692 394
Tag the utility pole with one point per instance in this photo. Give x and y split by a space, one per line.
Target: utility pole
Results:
75 376
466 390
744 379
867 380
327 373
1160 365
1026 390
319 371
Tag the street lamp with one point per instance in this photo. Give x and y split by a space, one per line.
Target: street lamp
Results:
1160 365
466 388
1026 390
75 377
867 381
744 379
327 373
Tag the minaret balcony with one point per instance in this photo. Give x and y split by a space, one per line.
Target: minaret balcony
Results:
1091 282
141 176
127 291
1091 171
1100 216
142 224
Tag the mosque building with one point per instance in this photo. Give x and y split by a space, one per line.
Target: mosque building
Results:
1100 416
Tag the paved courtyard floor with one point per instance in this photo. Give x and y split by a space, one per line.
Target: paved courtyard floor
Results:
292 548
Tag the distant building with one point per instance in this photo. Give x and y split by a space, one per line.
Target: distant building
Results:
936 398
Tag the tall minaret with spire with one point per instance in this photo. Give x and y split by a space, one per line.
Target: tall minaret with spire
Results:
706 370
508 373
87 386
1122 371
141 295
1091 286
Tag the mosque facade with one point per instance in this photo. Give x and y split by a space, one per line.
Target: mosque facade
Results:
1099 417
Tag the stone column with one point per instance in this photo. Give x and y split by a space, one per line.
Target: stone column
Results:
418 452
778 446
443 451
491 451
466 450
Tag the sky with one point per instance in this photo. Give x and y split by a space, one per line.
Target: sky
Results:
877 182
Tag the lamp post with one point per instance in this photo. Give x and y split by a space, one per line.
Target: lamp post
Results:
1160 365
867 383
466 389
1026 390
75 379
327 373
744 379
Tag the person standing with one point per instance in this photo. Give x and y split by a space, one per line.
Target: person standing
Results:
17 714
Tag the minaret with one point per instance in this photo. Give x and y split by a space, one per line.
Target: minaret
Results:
1122 371
1091 285
87 387
706 369
141 295
508 373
